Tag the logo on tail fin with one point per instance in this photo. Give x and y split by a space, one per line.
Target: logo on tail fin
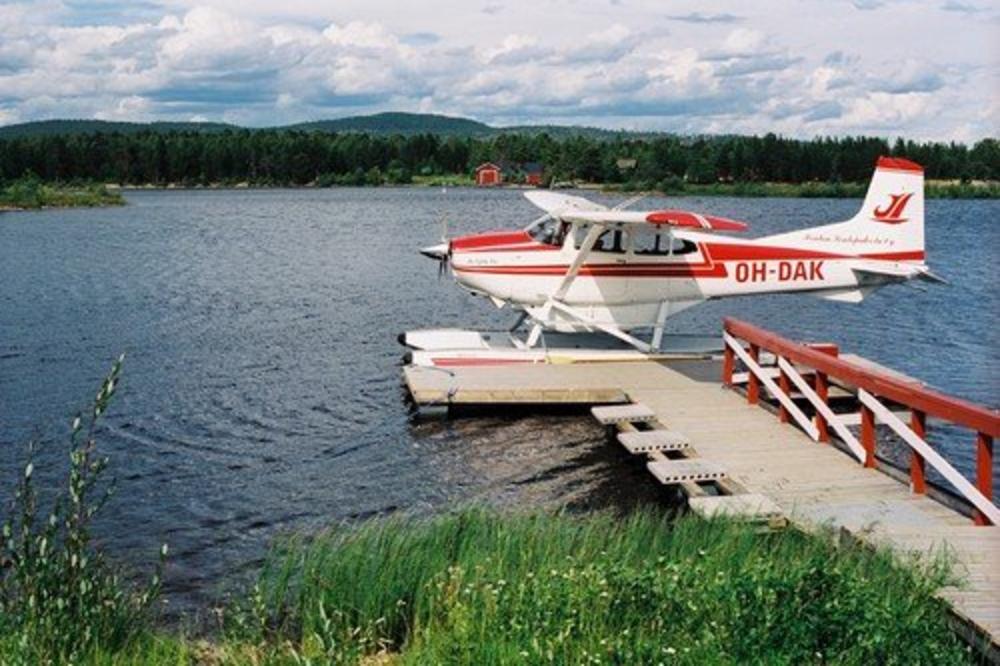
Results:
892 213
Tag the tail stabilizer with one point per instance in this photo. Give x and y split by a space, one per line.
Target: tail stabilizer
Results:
890 224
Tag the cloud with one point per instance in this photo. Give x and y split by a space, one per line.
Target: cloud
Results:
962 7
794 69
699 17
420 38
909 77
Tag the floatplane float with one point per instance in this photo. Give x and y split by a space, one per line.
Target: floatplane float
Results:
587 280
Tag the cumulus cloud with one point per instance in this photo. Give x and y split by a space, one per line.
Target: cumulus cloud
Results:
630 66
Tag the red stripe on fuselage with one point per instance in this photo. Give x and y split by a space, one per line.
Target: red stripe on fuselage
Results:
713 266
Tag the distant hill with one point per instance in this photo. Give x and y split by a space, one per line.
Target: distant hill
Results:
53 127
400 123
379 123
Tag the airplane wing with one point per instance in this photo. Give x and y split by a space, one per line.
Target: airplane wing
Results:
577 209
672 218
556 203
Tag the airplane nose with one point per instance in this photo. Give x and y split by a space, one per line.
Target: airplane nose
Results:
439 251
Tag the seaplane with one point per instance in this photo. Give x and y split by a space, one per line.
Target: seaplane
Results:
587 281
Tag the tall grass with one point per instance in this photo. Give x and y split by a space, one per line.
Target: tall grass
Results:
483 588
60 599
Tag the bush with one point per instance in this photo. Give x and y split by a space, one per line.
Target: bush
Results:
60 599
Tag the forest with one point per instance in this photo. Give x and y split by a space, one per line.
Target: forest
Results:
301 157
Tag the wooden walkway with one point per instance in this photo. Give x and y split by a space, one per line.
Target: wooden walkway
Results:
814 484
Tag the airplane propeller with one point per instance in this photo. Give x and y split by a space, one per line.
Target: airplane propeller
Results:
441 251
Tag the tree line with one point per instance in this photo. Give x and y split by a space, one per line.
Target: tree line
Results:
293 157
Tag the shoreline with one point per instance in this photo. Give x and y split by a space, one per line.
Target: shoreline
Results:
779 190
37 196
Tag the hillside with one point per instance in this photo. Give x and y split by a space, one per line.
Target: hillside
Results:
400 123
63 127
406 124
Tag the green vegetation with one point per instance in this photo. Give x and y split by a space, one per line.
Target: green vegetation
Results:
474 587
28 192
481 588
60 600
420 149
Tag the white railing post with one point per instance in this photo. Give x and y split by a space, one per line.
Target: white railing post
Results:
757 372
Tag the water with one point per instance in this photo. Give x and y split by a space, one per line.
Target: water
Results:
262 388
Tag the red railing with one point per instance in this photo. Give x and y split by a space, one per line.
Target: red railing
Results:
745 342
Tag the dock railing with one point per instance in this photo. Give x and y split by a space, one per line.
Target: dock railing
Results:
811 369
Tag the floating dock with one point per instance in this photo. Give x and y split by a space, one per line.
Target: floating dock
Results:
699 426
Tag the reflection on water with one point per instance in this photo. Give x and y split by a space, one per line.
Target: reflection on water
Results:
262 389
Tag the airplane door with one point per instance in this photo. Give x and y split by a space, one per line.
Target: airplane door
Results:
649 259
605 279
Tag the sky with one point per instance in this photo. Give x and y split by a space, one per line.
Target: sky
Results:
926 70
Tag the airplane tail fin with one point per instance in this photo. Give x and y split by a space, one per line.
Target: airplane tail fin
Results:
890 224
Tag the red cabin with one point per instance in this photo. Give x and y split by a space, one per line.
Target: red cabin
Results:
488 174
532 173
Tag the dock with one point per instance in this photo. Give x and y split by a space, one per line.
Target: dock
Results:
700 426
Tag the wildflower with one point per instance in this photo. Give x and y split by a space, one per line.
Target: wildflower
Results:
670 651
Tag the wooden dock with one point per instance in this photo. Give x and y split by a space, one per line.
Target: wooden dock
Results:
770 463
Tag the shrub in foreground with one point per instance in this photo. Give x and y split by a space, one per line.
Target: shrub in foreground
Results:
60 599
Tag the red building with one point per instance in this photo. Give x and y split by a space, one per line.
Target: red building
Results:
532 173
488 174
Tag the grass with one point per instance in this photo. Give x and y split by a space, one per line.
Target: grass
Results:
29 193
445 180
473 587
479 587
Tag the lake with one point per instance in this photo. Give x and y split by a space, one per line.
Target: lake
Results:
262 390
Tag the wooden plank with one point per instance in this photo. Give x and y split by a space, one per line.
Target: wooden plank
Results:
630 413
749 505
645 441
672 472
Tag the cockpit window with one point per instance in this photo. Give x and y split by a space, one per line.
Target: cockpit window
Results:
549 232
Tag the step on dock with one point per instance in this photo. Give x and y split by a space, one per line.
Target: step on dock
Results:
752 506
631 413
648 441
690 470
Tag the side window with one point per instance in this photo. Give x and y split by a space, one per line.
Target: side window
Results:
650 242
612 240
680 246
